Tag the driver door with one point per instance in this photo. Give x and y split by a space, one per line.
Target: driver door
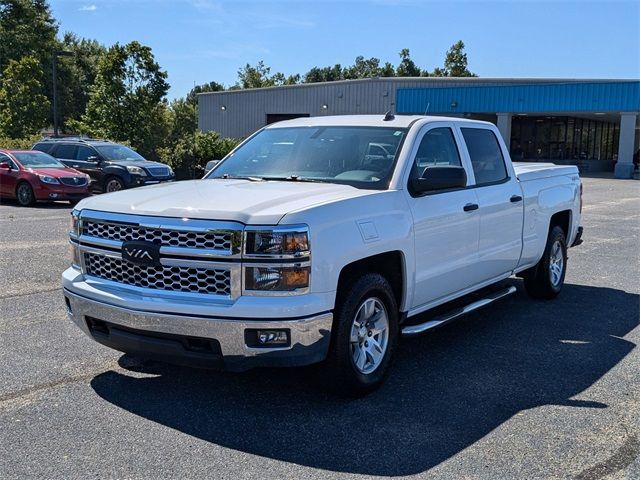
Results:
446 226
8 178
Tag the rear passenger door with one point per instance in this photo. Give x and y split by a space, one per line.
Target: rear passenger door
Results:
501 206
446 234
66 153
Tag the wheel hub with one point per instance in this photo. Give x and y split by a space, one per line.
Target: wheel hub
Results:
369 335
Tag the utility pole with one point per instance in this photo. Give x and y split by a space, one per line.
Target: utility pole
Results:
56 54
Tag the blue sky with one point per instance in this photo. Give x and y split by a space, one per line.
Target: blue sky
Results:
203 40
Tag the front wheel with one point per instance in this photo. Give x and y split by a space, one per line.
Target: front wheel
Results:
365 336
25 195
113 184
545 280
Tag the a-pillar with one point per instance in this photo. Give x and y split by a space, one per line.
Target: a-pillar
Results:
504 125
624 166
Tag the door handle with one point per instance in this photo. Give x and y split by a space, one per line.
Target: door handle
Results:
516 198
470 207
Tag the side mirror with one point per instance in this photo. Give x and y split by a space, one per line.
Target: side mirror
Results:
210 165
440 178
5 166
92 158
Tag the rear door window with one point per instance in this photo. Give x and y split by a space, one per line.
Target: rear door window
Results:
42 147
486 155
84 153
66 152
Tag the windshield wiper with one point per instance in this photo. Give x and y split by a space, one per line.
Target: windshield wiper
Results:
226 176
291 178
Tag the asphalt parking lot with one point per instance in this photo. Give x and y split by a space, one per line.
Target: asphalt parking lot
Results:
523 389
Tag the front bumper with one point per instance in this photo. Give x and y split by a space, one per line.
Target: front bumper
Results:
60 192
139 181
168 337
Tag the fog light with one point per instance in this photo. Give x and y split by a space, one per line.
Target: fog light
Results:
53 195
266 338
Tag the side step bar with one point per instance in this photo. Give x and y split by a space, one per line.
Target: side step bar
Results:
413 330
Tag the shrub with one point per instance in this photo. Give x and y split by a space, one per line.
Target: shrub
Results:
18 143
189 154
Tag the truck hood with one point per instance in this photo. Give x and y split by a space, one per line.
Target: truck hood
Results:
258 203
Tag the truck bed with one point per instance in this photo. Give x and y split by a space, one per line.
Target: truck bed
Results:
526 171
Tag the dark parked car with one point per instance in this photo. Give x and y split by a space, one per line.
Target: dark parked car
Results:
30 176
111 166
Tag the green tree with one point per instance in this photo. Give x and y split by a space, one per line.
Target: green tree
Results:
76 75
363 68
126 100
407 67
257 76
325 74
27 28
455 62
24 108
192 96
183 119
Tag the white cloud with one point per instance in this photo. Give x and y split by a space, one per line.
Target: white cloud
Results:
88 8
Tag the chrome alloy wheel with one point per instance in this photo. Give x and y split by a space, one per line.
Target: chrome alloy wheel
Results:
556 263
369 335
114 185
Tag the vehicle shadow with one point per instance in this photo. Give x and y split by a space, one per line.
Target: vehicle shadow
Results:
446 390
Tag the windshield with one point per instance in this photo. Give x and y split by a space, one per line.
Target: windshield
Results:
119 152
37 160
360 156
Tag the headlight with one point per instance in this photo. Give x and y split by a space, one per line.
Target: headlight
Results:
137 171
277 279
277 243
74 224
74 253
48 179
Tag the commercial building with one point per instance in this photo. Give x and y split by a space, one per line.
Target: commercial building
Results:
590 123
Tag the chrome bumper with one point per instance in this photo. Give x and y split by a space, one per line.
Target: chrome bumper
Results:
309 336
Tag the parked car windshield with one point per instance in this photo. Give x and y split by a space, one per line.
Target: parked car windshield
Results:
360 156
37 160
118 152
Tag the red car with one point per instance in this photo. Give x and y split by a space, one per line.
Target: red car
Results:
30 176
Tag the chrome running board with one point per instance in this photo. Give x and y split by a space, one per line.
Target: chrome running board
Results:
412 330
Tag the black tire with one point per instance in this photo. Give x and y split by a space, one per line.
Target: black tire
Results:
25 195
342 374
112 184
540 282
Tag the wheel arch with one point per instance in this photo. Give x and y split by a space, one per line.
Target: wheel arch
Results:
391 265
562 219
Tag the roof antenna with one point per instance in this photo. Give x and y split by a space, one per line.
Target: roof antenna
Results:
427 109
388 116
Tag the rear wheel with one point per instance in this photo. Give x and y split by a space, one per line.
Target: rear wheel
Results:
25 195
545 280
364 337
113 184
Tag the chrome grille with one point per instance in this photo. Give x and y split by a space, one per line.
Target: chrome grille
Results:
74 181
158 171
213 281
215 240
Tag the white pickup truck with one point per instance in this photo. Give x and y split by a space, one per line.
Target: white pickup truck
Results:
321 239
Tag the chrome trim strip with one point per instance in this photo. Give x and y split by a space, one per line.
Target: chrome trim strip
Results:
411 330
